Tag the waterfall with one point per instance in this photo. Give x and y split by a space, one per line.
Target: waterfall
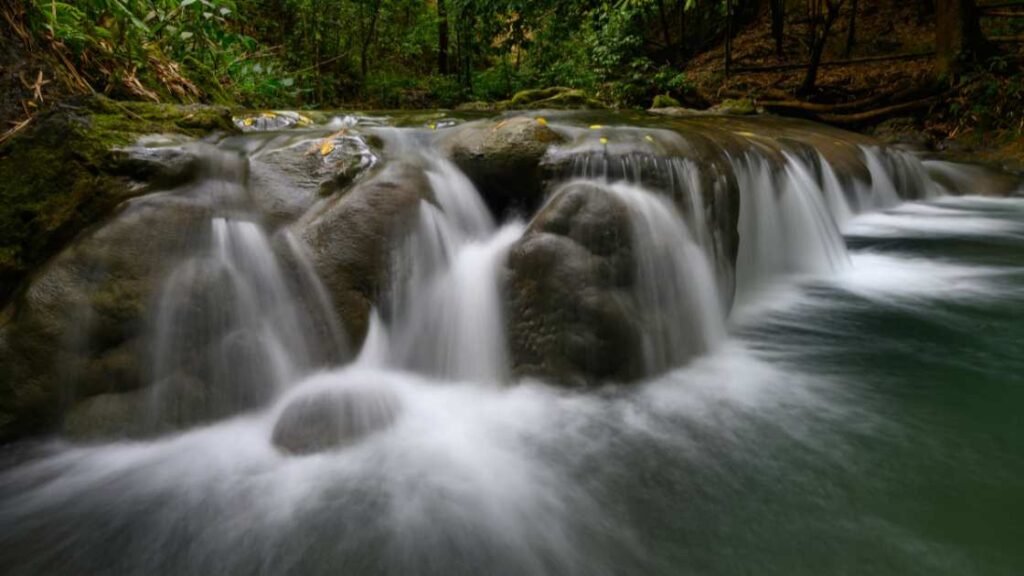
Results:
676 295
230 331
445 305
785 225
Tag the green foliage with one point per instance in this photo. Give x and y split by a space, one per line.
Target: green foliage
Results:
266 53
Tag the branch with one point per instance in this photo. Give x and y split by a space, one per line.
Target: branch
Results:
879 113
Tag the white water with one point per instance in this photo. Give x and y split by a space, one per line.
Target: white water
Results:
471 478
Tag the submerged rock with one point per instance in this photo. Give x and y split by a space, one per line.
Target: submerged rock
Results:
331 419
502 158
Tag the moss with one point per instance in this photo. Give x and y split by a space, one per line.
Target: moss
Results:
545 98
66 172
665 101
527 97
738 107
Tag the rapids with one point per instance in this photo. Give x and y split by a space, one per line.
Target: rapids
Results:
839 395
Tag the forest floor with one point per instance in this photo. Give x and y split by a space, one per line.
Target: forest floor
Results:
885 83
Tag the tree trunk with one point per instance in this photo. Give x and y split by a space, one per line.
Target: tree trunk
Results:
364 56
442 37
818 41
958 37
728 36
851 29
778 21
665 33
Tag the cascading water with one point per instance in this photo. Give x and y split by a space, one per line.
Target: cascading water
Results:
747 445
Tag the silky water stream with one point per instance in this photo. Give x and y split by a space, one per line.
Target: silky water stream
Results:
844 400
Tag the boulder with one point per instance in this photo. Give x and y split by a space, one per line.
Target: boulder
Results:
570 316
349 239
75 331
74 165
107 416
502 158
331 419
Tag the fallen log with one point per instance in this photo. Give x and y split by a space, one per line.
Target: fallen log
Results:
878 113
848 61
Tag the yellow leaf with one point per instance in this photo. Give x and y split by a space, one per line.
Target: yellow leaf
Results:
596 126
248 121
269 115
604 140
326 148
649 138
542 121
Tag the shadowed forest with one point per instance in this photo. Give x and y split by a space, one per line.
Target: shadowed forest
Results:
953 67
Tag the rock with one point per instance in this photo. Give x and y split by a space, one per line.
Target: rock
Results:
107 416
331 419
73 166
735 107
664 101
349 239
475 106
75 330
271 120
502 158
286 182
570 315
675 111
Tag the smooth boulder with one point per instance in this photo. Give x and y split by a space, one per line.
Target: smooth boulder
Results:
350 239
502 158
333 418
571 318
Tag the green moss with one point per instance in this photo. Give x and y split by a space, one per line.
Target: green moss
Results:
527 97
738 107
65 172
665 101
558 98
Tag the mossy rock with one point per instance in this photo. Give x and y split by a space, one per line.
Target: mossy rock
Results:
70 168
736 107
550 98
475 106
665 101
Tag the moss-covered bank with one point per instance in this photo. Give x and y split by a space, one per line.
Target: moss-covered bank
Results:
69 169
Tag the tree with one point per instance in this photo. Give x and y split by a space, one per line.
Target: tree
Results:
442 36
823 14
778 8
851 29
958 37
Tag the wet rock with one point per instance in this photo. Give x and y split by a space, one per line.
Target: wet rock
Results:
107 416
570 317
735 107
502 158
71 168
74 332
271 120
332 419
350 237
